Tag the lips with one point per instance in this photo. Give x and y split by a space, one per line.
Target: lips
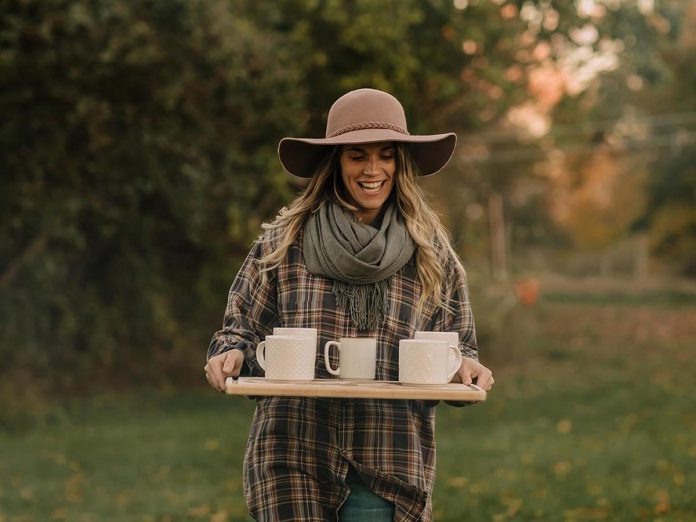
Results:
371 186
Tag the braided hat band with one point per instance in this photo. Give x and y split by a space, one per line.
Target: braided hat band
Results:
366 116
368 125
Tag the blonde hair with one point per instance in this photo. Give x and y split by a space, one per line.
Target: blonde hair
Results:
434 253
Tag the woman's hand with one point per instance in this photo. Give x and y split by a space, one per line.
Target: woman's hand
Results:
220 367
471 369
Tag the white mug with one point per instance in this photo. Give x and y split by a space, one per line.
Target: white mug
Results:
427 361
287 358
452 339
357 358
296 332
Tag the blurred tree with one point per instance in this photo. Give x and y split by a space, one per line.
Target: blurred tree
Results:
137 164
612 143
671 215
597 197
138 144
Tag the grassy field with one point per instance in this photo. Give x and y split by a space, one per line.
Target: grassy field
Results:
593 417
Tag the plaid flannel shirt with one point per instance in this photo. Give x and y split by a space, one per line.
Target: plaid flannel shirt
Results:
299 448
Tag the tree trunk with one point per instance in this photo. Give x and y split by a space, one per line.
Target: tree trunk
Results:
496 221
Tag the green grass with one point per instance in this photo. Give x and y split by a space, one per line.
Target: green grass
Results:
593 417
150 456
651 298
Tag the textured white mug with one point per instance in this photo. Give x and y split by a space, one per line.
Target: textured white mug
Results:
452 339
357 357
296 332
287 357
427 361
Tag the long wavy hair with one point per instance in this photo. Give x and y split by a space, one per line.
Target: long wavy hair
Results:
434 252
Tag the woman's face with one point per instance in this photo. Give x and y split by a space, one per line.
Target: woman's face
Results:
368 171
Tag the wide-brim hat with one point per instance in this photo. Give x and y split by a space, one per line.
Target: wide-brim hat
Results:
366 116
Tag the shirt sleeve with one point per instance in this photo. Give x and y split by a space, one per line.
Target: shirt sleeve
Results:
251 311
457 316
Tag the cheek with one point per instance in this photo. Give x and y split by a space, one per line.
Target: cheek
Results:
345 176
392 176
349 175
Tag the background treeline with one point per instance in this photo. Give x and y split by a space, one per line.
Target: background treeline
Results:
137 149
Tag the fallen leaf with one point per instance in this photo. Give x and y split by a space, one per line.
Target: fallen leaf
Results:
585 513
161 474
122 498
220 516
513 505
457 482
233 485
663 502
562 468
564 426
60 513
212 444
72 487
26 493
199 511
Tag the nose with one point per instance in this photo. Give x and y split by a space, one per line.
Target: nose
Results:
372 165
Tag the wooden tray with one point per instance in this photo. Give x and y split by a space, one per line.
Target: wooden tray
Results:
259 386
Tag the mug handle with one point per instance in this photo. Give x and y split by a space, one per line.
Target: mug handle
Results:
457 361
260 355
327 362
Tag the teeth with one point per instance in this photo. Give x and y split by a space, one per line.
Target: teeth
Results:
372 185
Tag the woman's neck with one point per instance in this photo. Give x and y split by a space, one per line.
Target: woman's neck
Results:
372 217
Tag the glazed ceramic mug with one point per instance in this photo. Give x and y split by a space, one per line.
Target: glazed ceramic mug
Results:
427 361
287 357
452 339
357 358
296 332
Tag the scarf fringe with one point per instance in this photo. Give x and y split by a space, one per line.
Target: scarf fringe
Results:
367 304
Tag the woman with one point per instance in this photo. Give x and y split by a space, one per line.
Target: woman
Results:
358 253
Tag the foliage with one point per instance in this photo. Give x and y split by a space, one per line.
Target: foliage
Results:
645 111
600 199
673 211
670 217
139 141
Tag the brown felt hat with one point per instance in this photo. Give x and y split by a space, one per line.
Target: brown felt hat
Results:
366 116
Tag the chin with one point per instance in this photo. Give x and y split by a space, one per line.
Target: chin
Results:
371 205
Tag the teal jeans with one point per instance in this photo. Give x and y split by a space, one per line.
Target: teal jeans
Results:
362 505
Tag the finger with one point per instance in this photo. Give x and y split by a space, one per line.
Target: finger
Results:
485 379
215 371
208 374
228 363
209 377
233 363
465 373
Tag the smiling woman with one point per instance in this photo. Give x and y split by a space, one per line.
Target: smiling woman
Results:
359 253
368 172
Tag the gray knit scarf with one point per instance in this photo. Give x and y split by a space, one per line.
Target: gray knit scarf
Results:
359 258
